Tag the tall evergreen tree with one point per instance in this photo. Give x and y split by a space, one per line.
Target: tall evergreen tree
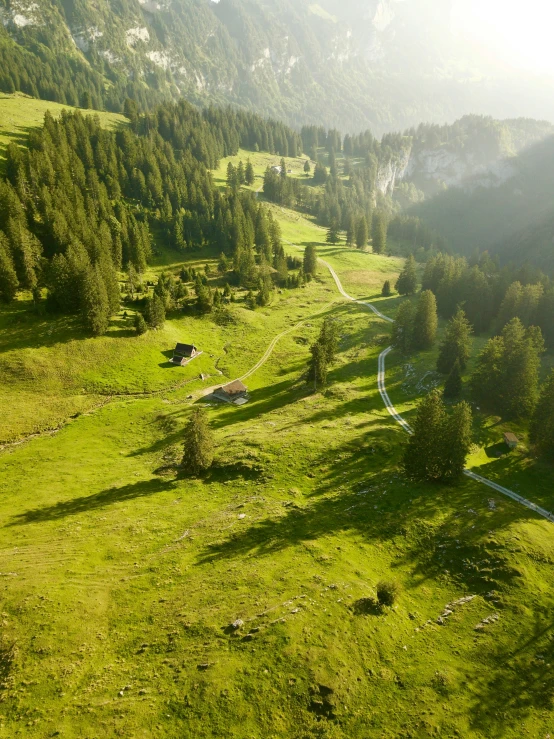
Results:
310 260
155 311
422 458
456 441
249 173
403 327
95 306
318 366
199 445
8 277
386 291
362 234
379 233
407 280
333 233
453 385
438 448
425 321
456 344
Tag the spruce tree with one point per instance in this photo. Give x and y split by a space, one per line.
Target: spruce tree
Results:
453 385
379 233
95 308
456 344
422 458
361 233
155 311
318 366
199 446
407 280
542 423
140 324
249 174
425 321
8 277
333 233
329 339
403 327
307 167
456 442
310 260
386 291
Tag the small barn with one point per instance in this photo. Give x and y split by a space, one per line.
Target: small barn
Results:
183 353
235 392
511 440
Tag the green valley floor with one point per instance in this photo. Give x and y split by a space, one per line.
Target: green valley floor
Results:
120 578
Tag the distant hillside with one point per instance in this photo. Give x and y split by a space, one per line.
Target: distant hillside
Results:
20 114
382 64
514 219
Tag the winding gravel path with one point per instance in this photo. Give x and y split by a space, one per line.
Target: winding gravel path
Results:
381 376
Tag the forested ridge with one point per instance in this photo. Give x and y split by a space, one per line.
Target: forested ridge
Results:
80 203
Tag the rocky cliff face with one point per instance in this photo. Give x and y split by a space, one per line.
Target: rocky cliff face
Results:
353 64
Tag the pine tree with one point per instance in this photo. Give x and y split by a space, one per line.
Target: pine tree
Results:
361 233
223 264
95 308
249 174
8 277
199 446
155 311
317 369
456 442
386 291
542 423
329 339
307 167
422 458
453 385
204 300
333 233
440 443
403 327
456 344
351 231
140 324
407 280
310 260
425 321
379 233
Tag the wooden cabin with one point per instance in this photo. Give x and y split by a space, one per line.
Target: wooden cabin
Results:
511 440
235 392
183 353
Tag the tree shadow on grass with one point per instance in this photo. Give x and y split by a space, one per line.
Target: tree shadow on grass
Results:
93 502
521 685
435 529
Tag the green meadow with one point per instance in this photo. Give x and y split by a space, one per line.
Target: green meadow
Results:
20 113
120 577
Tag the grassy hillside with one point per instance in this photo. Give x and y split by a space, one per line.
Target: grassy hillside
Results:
20 113
120 578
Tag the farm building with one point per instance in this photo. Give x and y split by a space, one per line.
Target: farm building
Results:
235 392
183 353
511 440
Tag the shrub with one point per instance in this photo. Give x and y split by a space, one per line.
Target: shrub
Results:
387 592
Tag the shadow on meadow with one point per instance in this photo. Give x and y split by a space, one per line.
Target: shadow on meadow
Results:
436 530
88 503
523 682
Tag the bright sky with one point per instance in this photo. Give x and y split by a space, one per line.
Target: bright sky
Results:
520 33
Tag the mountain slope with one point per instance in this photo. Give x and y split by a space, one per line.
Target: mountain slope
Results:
514 219
383 64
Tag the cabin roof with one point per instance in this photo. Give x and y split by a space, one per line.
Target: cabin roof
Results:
234 388
510 438
184 348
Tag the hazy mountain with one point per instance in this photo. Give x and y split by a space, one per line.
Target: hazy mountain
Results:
383 64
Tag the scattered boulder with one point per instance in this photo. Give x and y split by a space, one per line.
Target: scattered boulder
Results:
236 625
